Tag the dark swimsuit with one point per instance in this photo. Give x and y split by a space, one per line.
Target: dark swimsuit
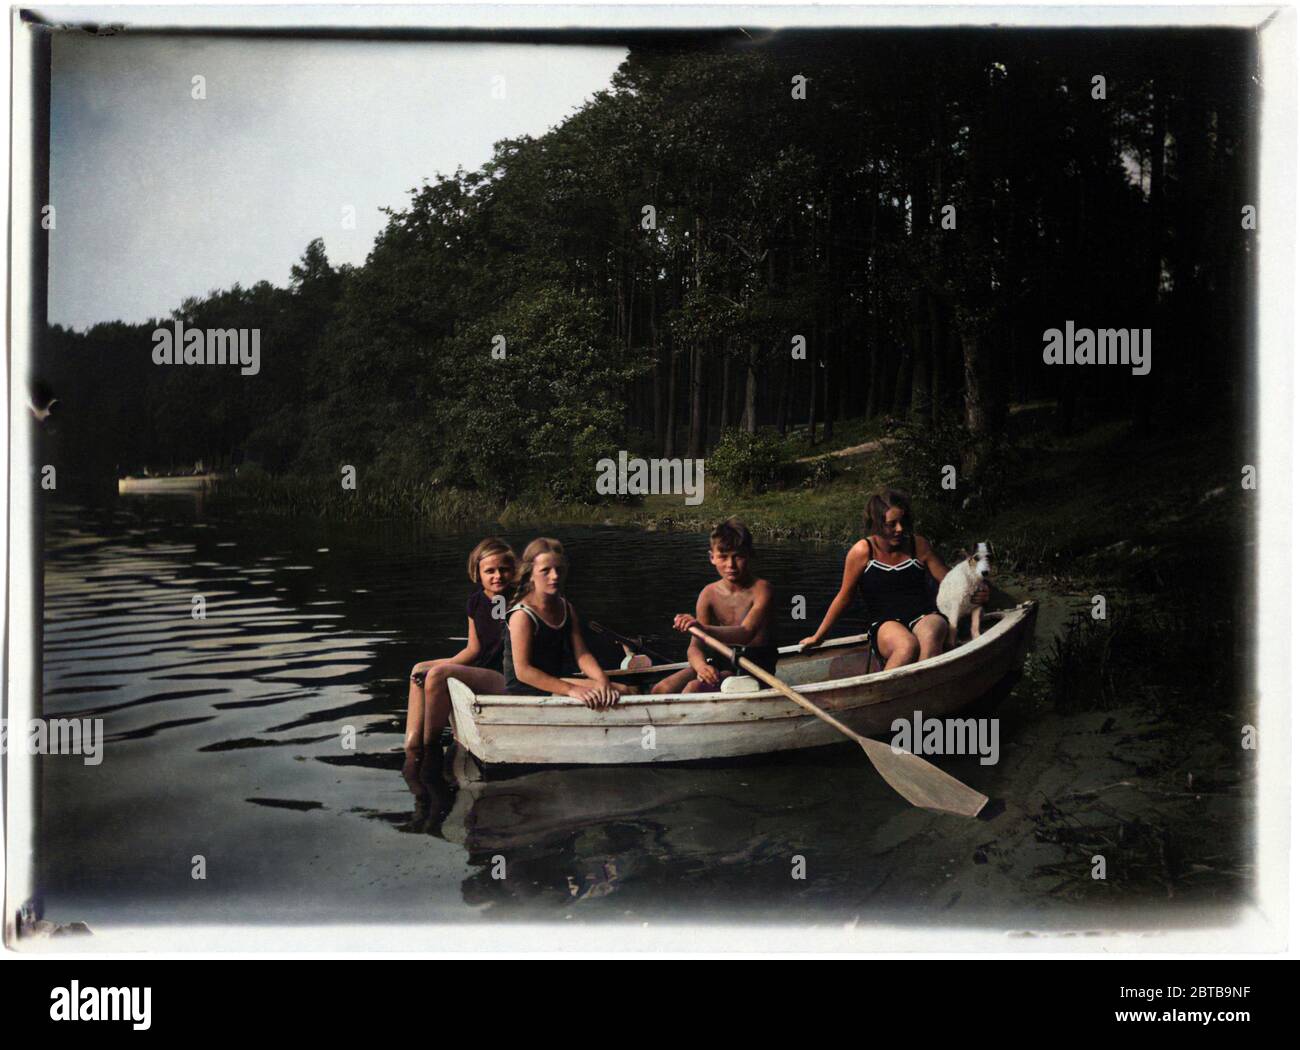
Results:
489 628
765 656
552 650
894 592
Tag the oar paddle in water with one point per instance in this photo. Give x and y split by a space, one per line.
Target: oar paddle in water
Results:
914 778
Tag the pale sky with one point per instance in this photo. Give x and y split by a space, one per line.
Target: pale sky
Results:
160 196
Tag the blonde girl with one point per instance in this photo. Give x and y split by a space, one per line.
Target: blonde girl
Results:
492 569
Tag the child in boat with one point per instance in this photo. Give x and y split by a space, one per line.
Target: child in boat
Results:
543 637
737 609
889 570
478 665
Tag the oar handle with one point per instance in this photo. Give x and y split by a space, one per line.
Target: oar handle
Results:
629 643
773 682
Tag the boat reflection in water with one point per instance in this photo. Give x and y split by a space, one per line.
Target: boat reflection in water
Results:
724 840
658 842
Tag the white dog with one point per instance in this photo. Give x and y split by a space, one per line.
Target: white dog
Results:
958 589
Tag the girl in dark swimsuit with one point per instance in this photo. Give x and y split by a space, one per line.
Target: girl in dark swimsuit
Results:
890 570
543 638
478 665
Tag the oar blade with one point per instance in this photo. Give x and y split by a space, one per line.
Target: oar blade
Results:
921 783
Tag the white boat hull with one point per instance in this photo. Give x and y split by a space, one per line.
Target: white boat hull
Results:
555 730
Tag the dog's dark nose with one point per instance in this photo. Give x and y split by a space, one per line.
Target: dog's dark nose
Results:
985 572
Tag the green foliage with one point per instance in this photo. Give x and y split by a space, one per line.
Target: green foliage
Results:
1169 656
821 471
772 218
746 463
923 453
536 422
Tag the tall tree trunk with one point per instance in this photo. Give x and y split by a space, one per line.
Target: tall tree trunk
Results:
902 383
751 390
659 386
724 420
978 414
810 368
670 421
699 418
938 355
783 397
1142 399
920 409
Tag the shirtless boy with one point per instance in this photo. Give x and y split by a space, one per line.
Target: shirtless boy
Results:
737 609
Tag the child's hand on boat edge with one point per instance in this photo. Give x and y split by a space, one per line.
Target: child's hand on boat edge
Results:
597 698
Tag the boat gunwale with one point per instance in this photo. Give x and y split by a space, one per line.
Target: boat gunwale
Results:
1007 620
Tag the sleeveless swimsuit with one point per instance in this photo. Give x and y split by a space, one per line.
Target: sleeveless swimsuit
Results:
552 650
490 630
895 592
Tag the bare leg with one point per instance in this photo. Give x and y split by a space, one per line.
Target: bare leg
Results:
675 682
931 634
624 688
415 708
897 644
437 697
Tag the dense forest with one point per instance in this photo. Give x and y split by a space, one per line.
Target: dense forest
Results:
738 234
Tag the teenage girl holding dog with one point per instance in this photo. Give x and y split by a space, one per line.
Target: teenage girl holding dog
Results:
889 570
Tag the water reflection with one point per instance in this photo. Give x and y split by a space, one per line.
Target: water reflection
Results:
262 727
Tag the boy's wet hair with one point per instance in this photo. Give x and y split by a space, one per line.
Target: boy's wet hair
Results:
732 535
488 548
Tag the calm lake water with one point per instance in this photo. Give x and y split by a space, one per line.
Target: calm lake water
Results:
223 741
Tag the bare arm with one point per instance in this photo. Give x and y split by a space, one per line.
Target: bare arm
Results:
695 652
521 651
926 555
755 622
855 565
587 663
472 648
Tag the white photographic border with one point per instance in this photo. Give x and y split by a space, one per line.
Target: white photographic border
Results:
1264 926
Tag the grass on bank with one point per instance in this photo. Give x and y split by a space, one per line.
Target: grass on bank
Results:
1098 502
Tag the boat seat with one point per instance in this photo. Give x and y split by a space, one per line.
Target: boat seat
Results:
740 683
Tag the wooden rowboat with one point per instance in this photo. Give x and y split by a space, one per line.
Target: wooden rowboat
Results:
745 720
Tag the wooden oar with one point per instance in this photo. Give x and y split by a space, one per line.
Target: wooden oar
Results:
914 778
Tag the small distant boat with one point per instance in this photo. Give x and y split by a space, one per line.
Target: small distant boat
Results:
745 719
148 486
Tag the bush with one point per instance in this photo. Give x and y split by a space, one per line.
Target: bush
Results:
746 463
821 471
921 452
